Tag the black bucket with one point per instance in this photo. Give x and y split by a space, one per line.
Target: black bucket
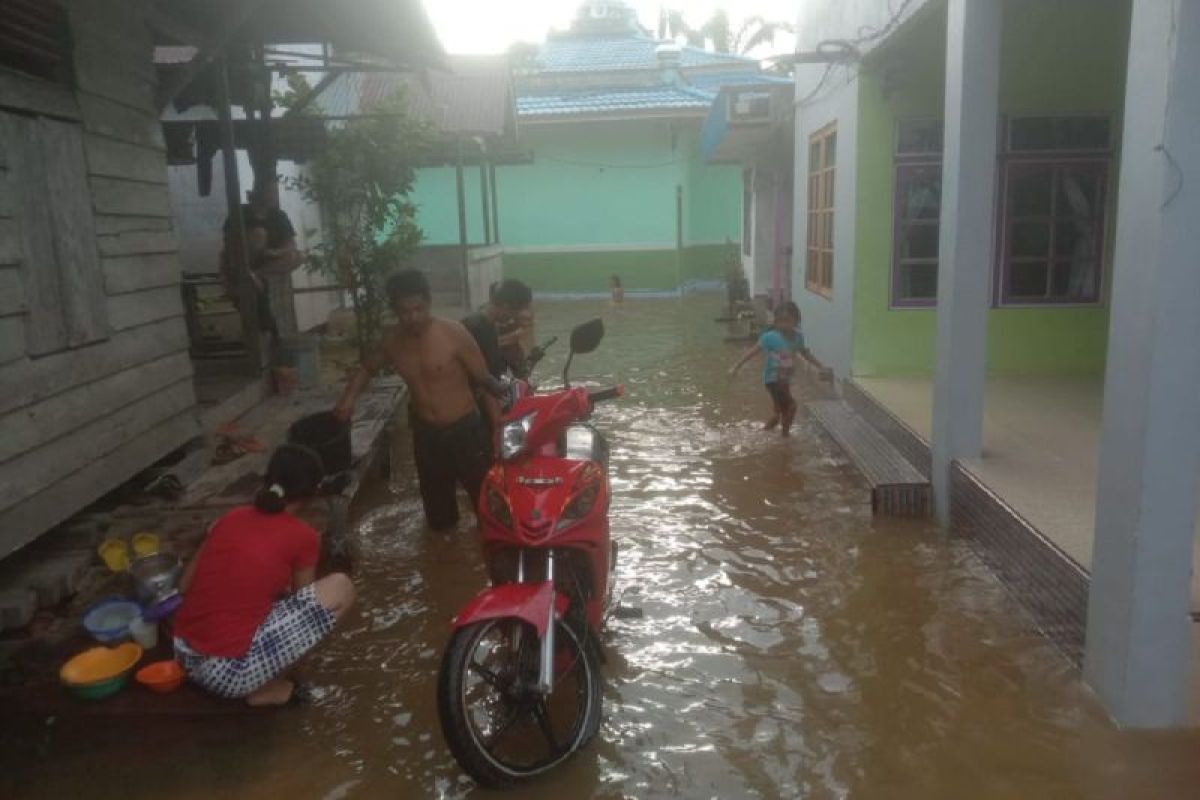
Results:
328 436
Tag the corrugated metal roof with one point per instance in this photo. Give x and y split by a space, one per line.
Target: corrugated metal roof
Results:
609 54
665 98
473 96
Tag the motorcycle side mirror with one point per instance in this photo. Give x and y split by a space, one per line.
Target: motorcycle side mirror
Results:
586 337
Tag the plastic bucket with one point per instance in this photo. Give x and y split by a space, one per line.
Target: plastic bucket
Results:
302 353
328 436
144 633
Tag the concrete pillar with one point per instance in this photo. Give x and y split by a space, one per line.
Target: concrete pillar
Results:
965 245
1138 628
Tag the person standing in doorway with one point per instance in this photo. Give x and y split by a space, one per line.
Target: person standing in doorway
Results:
443 368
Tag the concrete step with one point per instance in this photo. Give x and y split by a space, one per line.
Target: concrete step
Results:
897 487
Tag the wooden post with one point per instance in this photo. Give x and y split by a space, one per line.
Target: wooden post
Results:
495 207
483 195
462 225
247 294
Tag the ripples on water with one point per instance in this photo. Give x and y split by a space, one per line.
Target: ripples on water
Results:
791 645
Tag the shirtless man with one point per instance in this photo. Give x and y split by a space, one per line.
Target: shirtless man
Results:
440 362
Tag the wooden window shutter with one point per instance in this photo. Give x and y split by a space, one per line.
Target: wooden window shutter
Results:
35 39
60 263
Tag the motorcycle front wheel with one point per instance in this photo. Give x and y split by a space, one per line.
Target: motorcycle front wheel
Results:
500 729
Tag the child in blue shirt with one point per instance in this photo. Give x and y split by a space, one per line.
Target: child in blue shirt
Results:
781 343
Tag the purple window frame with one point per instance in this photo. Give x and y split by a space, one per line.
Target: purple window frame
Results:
906 165
1016 163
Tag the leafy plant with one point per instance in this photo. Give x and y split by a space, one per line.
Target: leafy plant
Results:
361 181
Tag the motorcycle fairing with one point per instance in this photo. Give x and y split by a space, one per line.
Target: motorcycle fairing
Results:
529 602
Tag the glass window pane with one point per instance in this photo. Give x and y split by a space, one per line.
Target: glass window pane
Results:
1083 133
918 281
1027 280
919 136
1030 239
827 269
831 149
1078 187
1029 191
1031 133
829 189
814 155
1075 237
922 193
1075 281
919 241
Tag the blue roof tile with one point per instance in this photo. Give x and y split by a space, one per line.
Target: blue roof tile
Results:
665 98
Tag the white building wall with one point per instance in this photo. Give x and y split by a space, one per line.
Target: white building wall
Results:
827 322
863 22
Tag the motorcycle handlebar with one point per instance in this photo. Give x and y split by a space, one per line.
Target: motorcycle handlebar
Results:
606 394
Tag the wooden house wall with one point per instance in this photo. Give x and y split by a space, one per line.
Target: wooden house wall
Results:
95 379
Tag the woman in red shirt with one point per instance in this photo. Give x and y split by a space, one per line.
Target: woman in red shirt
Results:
251 607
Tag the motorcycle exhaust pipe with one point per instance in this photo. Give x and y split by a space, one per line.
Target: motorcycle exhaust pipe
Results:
545 683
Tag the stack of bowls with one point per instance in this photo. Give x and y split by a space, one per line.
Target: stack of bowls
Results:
100 671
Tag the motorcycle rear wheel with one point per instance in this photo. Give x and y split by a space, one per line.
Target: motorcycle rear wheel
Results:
497 726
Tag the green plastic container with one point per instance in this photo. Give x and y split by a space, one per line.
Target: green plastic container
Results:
100 689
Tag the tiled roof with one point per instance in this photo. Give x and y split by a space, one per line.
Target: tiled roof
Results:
605 54
663 98
712 82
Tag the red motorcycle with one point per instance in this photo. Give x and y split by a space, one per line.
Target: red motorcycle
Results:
519 685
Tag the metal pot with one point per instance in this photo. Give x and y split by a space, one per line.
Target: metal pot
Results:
155 576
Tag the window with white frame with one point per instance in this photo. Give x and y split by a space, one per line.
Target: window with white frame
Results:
1054 188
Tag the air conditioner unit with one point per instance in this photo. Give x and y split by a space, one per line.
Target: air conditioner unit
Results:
750 107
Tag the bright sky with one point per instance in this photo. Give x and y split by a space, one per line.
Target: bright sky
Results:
490 26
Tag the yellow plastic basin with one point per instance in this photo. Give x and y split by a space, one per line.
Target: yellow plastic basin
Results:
100 664
115 554
144 544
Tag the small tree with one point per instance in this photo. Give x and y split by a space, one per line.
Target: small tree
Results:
361 182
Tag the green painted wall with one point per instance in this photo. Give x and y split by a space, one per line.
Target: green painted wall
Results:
1057 58
598 199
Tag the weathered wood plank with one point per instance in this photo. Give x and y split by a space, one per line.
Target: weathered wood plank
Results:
114 159
8 197
29 474
139 308
36 425
133 198
112 19
139 243
109 225
12 293
28 94
54 503
139 272
82 301
121 122
46 329
118 86
34 380
12 340
10 242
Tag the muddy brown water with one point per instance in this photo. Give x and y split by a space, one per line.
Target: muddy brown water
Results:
790 644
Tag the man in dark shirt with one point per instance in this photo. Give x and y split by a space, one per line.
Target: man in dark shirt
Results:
270 248
494 328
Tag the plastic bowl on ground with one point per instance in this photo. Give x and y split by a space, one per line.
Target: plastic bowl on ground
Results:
100 671
108 621
144 544
161 676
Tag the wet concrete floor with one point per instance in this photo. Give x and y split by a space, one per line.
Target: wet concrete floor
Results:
791 645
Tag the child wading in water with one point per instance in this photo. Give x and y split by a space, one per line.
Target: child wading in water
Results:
781 343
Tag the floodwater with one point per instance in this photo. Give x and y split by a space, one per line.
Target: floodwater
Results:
790 645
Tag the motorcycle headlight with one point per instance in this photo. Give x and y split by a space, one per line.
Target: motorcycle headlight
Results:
512 436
